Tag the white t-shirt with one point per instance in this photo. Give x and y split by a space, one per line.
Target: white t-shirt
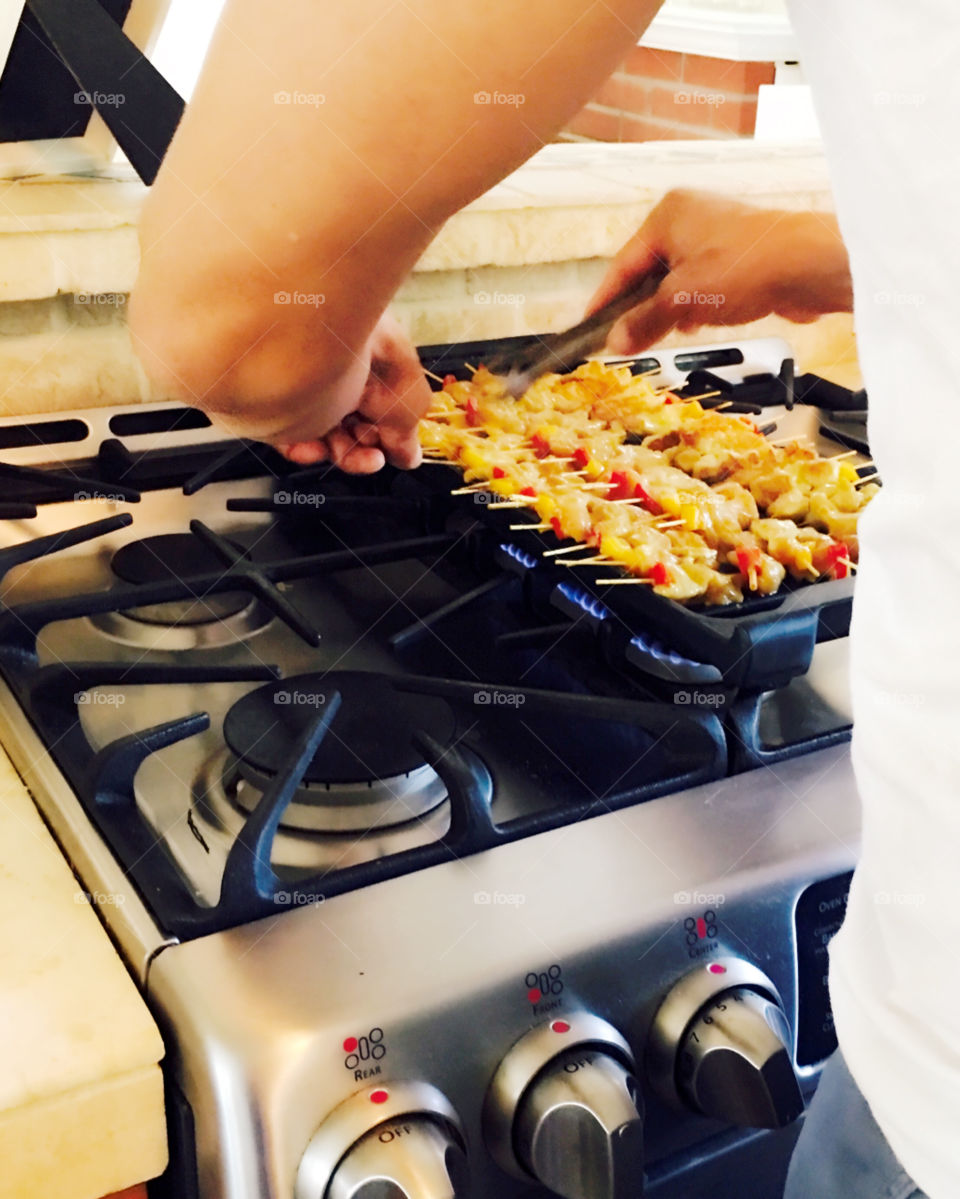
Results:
886 81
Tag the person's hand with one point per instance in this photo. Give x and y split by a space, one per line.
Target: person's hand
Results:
382 426
729 264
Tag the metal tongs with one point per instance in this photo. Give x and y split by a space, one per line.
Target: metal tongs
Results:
523 364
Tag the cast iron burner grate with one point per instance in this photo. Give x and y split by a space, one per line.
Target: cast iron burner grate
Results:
367 772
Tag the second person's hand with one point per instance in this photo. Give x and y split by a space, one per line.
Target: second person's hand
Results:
728 263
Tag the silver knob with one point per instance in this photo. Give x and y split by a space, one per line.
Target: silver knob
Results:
733 1063
563 1109
411 1157
393 1140
719 1045
578 1129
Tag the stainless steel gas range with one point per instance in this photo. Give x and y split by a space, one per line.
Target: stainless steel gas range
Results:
442 873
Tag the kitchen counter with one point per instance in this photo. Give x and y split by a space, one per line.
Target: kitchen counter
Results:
81 1094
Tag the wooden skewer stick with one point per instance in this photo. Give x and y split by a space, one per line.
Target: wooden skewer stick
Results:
498 504
472 488
431 375
633 580
565 549
867 478
585 561
706 396
845 454
720 407
635 500
471 369
668 524
594 486
531 528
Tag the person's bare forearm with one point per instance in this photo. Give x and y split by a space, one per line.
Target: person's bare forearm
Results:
324 147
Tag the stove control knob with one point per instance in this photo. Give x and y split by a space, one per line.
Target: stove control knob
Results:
400 1140
563 1109
719 1044
407 1158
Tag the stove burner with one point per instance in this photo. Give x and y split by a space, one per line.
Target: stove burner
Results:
207 622
175 557
366 774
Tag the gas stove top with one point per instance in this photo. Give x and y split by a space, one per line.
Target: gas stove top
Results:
244 693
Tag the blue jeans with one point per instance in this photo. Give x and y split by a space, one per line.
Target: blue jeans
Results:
841 1153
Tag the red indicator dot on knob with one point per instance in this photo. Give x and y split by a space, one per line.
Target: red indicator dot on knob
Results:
349 1044
560 1026
379 1096
534 995
716 968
